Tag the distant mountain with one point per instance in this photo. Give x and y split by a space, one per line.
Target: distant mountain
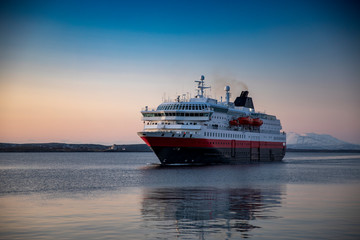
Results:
317 142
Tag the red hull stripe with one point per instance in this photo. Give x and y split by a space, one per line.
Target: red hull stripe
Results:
207 143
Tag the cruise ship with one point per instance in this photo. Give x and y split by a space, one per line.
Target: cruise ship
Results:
203 130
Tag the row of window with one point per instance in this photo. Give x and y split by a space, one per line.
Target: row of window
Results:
279 138
168 123
178 106
217 117
263 116
276 123
176 114
224 135
229 143
237 144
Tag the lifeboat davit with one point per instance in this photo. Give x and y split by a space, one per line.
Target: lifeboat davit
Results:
257 122
245 120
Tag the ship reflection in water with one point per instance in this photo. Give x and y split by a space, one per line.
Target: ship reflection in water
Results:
209 212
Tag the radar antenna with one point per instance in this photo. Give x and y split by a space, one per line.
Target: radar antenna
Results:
201 87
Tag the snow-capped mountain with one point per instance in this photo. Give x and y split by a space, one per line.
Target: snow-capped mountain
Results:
317 141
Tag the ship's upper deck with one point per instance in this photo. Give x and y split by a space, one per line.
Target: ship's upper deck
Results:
203 107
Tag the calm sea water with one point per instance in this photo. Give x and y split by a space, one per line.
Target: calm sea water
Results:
129 196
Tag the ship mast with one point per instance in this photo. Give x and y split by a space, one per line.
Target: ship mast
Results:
201 87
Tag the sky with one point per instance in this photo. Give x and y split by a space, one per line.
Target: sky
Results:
81 71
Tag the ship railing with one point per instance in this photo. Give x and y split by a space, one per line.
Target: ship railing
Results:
173 127
205 110
146 109
271 132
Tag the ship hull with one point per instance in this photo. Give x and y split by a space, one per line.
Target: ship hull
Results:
192 151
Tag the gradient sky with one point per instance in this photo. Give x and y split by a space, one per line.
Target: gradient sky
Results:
80 71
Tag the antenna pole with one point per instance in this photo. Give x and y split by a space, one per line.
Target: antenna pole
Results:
201 87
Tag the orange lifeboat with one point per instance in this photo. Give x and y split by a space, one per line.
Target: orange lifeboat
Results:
257 122
233 123
245 120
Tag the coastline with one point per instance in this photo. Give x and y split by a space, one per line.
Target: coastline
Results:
64 147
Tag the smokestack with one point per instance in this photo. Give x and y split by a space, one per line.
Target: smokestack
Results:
244 100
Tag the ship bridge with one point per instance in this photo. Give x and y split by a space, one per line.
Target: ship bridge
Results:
175 116
183 106
185 111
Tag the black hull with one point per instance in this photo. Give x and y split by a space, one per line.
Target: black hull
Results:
209 156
